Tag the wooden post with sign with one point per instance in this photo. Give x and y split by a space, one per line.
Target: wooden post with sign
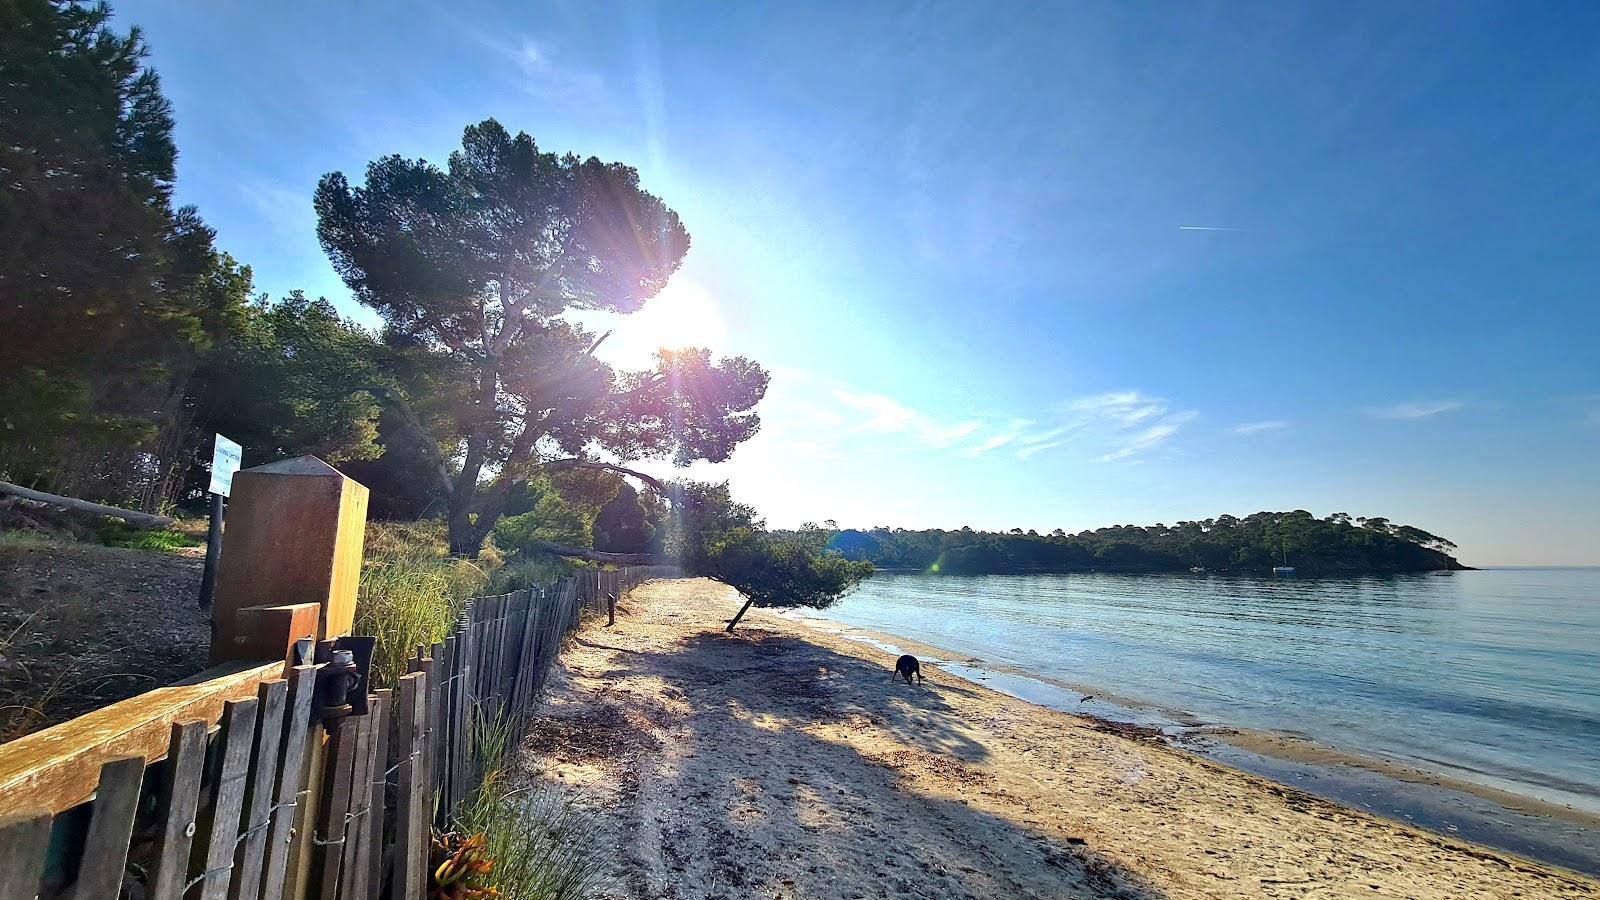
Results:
225 458
295 536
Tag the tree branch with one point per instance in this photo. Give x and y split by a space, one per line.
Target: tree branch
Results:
73 503
600 556
430 447
559 464
638 391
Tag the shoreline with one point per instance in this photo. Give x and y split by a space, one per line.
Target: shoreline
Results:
1549 832
782 761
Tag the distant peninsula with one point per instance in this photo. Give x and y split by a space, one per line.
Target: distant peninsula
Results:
1335 545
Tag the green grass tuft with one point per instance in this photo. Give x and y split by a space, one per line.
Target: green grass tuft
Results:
411 600
114 533
544 847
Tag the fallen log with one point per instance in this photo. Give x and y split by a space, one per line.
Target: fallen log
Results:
73 503
601 556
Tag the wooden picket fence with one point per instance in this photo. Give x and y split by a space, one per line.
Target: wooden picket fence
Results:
268 806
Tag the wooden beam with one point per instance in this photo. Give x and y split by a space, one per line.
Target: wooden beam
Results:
73 503
59 767
270 632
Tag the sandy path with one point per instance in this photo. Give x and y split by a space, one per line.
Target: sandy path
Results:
782 762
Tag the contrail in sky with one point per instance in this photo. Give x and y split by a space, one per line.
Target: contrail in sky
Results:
1205 228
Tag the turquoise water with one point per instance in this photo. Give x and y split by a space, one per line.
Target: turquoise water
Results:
1491 677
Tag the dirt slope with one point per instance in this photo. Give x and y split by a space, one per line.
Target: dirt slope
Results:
83 625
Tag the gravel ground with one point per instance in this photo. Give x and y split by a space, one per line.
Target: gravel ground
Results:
83 625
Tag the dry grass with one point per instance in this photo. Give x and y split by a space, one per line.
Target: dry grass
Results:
412 590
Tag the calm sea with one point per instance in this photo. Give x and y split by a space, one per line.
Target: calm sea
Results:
1491 677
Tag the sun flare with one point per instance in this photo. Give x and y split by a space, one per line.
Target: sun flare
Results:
684 314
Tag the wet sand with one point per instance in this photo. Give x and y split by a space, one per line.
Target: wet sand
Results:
781 761
1549 832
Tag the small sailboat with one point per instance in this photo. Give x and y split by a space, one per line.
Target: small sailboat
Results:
1442 572
1284 569
1198 570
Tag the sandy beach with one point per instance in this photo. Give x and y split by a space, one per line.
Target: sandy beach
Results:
781 761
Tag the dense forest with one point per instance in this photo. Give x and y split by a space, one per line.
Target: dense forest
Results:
1336 544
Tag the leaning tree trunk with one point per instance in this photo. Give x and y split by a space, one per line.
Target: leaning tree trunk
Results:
73 503
465 540
742 610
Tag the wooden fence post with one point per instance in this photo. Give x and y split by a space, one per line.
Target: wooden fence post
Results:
290 568
295 534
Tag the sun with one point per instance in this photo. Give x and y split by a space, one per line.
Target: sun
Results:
684 314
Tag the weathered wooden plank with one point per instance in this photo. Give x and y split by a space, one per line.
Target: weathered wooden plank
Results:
335 805
380 705
24 843
233 775
445 685
436 718
411 818
502 649
430 718
250 857
352 865
528 669
293 751
271 632
179 799
59 767
105 850
507 666
462 750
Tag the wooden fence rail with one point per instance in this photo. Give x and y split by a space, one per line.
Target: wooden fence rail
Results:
224 788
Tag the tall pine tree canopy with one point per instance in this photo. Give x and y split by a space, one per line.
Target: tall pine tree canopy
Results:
107 293
472 267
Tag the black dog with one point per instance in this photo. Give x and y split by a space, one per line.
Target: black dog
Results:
905 667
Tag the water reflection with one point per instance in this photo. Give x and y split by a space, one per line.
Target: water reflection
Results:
1485 675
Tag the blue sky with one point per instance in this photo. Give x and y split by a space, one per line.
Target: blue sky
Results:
956 234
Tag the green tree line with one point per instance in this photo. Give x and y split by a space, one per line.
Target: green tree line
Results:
1331 545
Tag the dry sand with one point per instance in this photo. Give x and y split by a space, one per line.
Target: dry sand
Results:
782 762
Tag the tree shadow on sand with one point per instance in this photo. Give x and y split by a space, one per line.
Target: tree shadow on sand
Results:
751 789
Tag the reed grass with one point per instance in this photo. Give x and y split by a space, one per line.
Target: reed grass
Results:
544 847
411 593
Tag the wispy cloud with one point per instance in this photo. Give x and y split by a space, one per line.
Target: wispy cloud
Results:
538 68
1410 412
287 211
1130 422
882 414
1114 425
940 436
1048 440
1125 407
1266 427
993 443
1150 438
1206 228
1014 430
